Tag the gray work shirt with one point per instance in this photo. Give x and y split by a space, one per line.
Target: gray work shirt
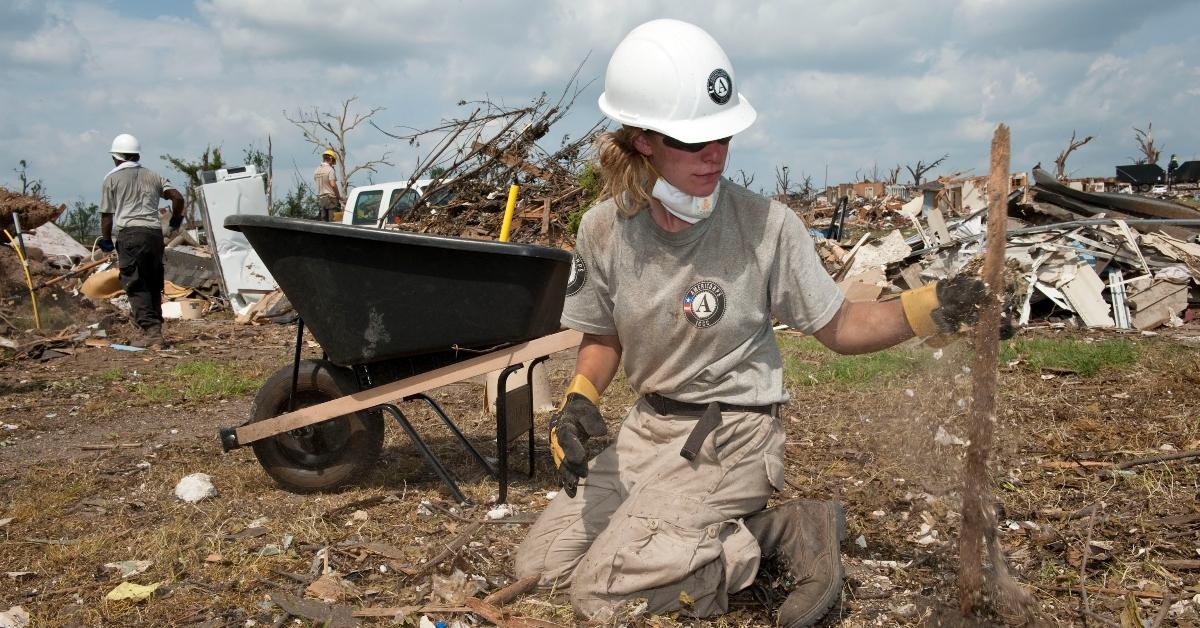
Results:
132 195
693 309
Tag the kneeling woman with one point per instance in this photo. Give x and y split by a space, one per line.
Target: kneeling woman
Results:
678 274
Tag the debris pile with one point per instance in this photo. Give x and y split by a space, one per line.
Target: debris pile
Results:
1105 260
475 160
72 297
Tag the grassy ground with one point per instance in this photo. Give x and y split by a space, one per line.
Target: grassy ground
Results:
881 432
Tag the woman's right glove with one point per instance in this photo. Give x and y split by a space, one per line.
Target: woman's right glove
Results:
576 420
944 307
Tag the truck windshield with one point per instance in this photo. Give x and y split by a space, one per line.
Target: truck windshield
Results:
400 203
366 207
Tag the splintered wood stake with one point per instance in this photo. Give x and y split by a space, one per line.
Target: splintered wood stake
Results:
983 408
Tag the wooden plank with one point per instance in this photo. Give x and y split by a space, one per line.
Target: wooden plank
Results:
387 393
509 159
974 529
545 216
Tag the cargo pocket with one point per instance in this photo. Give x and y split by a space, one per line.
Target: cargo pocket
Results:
775 470
668 543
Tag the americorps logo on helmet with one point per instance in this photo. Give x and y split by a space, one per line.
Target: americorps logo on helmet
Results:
720 86
704 304
578 275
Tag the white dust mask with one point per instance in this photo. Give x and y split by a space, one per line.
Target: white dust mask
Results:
684 206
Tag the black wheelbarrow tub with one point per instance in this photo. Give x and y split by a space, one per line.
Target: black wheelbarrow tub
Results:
373 294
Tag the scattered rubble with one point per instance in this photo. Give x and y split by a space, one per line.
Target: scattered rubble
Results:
1106 260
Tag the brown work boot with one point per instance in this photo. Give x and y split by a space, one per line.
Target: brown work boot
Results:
806 537
151 338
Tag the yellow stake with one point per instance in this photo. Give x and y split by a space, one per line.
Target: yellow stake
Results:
508 212
37 319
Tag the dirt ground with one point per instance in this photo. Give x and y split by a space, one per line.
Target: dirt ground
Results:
93 444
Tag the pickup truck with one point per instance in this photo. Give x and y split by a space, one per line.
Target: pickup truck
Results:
367 204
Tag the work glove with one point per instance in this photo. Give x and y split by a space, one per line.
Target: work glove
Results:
945 307
106 245
576 420
175 223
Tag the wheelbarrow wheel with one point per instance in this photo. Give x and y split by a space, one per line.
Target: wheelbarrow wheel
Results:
325 455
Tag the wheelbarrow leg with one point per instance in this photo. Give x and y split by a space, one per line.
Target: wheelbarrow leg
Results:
296 364
457 433
430 458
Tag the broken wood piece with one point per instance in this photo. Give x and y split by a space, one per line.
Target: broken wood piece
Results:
1179 455
1177 520
114 446
1182 565
403 611
1153 595
319 612
510 159
451 548
975 529
509 593
505 619
1076 464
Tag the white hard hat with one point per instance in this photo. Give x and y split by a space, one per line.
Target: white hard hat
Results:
125 144
672 77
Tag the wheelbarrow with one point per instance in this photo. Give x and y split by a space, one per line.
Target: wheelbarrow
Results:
396 314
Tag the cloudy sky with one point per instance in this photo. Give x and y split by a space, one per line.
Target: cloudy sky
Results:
848 85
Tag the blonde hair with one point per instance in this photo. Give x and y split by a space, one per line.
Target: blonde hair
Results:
626 175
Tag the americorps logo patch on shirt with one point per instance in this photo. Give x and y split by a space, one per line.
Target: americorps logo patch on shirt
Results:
704 304
578 275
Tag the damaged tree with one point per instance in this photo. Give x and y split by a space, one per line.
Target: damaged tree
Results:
1145 140
918 171
1060 163
325 130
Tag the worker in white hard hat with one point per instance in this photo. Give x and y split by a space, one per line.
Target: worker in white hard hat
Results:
129 202
677 277
329 197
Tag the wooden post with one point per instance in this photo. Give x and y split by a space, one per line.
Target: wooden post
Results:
545 216
983 409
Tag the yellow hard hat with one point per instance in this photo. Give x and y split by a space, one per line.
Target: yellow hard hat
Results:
329 153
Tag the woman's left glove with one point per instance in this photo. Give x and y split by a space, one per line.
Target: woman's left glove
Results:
576 420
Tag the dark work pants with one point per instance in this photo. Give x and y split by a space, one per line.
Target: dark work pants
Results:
140 255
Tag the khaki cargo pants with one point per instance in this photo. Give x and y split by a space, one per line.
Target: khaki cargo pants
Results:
647 523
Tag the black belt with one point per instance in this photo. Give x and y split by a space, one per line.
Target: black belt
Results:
709 413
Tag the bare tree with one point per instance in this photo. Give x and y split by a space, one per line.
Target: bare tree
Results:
894 174
918 171
326 130
807 191
783 180
1060 164
1145 140
744 179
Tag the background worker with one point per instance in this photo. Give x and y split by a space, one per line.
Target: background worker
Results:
678 274
129 200
329 199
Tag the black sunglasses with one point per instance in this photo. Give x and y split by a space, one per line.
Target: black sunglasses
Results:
693 147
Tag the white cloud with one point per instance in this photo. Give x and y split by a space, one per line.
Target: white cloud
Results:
853 84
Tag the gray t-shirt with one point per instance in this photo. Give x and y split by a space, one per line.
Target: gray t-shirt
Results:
693 308
133 194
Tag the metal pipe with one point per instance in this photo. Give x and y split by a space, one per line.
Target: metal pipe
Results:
1091 222
508 212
